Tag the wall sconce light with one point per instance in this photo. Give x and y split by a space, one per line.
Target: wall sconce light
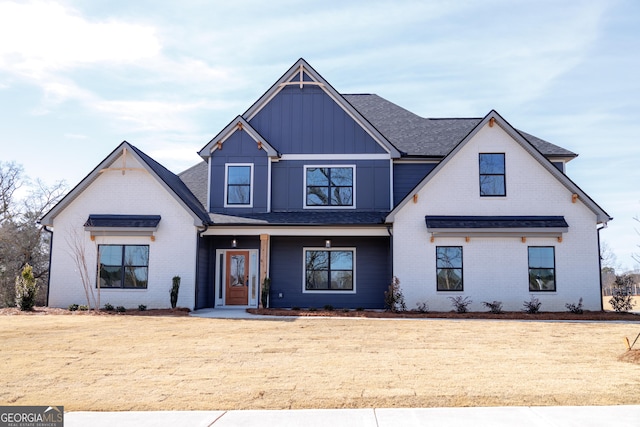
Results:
234 243
327 243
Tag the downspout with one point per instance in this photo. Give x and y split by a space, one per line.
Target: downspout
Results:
600 267
197 290
44 227
390 250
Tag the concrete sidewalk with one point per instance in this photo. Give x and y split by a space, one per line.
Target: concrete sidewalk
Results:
522 416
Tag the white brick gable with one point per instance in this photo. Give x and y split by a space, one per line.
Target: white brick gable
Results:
136 192
496 268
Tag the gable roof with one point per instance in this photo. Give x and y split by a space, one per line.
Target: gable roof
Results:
237 124
166 178
602 216
419 136
301 73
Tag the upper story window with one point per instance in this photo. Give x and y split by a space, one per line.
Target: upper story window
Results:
492 175
238 185
331 186
123 266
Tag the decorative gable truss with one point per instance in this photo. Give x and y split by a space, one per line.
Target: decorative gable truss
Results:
238 124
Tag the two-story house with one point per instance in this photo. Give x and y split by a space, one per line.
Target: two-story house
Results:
329 196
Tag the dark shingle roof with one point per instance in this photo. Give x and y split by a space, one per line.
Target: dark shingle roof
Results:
302 218
495 222
195 178
419 136
134 221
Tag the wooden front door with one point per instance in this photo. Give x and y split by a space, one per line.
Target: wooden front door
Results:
237 280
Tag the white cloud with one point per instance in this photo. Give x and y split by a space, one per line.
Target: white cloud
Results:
40 37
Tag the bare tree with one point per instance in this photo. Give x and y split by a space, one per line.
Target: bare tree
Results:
22 240
78 251
636 257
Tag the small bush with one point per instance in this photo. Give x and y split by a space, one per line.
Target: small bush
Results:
393 298
423 307
494 307
73 307
108 307
360 309
295 308
312 309
142 307
175 288
83 307
328 307
120 309
460 304
264 295
532 306
575 308
621 296
26 289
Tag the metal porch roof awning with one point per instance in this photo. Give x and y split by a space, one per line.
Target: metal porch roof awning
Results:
496 226
122 225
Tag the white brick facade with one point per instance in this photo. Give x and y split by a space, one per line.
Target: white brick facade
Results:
496 268
136 192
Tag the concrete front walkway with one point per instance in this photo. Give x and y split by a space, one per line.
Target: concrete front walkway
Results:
538 416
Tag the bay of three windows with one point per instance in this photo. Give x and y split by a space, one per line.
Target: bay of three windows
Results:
541 268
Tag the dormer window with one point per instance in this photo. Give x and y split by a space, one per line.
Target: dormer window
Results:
329 186
492 175
238 185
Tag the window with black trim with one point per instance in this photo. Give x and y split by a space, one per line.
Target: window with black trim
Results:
542 268
239 178
449 268
329 186
492 174
123 266
329 270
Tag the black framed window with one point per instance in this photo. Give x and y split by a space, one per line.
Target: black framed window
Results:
329 186
238 185
123 266
492 174
542 268
329 270
449 268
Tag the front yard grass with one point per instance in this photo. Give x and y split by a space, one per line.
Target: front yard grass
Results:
120 363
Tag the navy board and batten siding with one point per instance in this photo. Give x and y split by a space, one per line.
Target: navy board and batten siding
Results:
371 182
372 273
406 176
308 121
239 148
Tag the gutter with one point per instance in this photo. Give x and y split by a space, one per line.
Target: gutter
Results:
199 233
604 225
390 250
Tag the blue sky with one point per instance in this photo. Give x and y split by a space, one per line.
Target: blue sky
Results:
79 77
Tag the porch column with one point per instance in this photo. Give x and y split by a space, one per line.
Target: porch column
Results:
265 247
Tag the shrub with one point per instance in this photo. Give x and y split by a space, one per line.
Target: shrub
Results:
26 289
621 296
328 307
120 309
494 307
175 287
393 298
295 308
73 307
108 307
460 304
83 307
575 308
532 306
142 307
360 309
264 295
312 309
423 307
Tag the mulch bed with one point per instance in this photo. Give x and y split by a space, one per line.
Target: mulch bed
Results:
507 315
